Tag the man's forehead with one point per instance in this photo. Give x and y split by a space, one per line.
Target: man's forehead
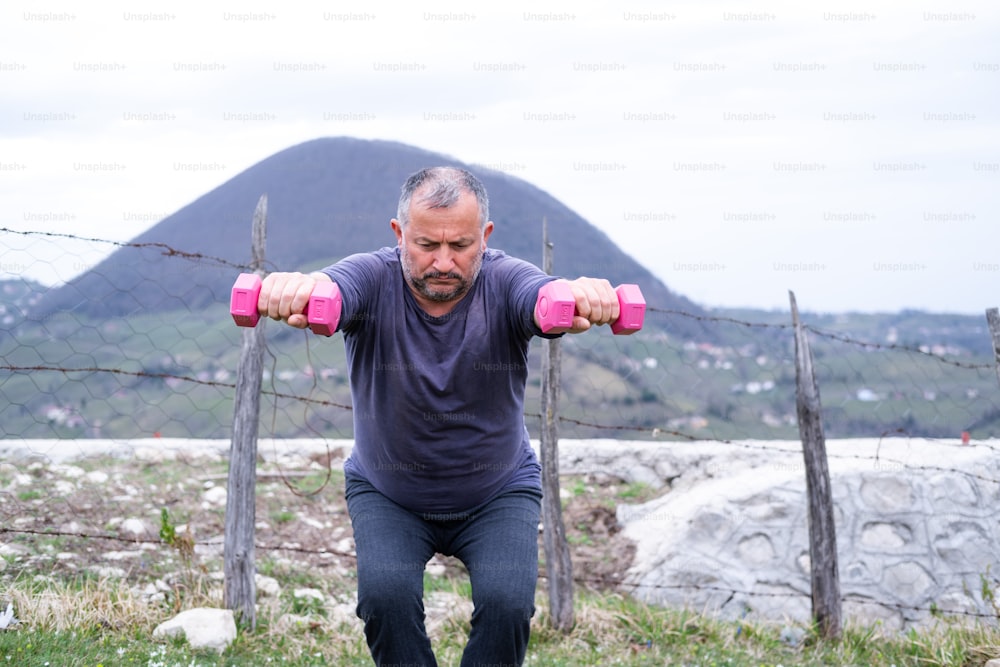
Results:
436 231
428 196
462 213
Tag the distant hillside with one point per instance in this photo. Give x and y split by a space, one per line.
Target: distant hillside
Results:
328 198
17 297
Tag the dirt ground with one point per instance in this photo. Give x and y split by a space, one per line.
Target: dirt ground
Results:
150 518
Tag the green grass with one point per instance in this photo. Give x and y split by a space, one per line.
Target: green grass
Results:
636 492
87 623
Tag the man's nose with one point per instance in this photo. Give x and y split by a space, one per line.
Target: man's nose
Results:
444 260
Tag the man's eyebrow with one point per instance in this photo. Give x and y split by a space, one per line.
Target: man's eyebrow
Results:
429 239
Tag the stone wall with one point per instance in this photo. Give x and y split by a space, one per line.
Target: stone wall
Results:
917 527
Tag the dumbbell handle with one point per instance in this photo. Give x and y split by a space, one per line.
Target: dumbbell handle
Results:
322 312
556 307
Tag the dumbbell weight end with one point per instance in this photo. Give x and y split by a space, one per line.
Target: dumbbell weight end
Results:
243 301
632 310
556 307
322 312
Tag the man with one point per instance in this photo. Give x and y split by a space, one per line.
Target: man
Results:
437 332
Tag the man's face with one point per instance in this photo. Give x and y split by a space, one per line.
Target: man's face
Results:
442 249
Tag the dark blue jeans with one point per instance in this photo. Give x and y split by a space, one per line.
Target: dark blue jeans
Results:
497 542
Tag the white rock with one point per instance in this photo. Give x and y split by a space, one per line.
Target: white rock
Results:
13 550
211 546
308 593
215 495
154 454
134 527
107 572
343 613
71 527
910 580
203 628
267 586
7 617
69 471
22 480
345 546
884 536
151 595
435 567
640 474
96 477
64 488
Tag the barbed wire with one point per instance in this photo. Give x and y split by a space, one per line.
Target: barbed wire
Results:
168 251
656 432
653 431
895 347
843 338
170 376
717 318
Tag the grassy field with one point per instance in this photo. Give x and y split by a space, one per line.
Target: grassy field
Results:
89 623
87 595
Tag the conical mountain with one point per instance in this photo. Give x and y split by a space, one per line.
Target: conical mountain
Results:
327 198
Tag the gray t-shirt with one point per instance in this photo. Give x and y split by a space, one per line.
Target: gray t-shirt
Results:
439 401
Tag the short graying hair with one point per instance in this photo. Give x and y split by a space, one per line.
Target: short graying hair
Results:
443 186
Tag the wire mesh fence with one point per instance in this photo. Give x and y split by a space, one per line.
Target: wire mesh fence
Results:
170 373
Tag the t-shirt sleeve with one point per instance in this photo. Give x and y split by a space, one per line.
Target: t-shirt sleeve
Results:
525 279
359 278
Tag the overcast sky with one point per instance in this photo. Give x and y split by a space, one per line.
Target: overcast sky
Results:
847 151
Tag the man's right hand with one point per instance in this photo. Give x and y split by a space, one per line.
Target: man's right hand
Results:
284 296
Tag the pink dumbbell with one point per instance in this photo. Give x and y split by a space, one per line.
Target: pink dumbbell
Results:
556 307
322 312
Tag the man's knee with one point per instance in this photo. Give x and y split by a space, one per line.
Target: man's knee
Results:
504 602
388 593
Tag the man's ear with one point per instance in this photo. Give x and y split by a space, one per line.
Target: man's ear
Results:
398 229
487 230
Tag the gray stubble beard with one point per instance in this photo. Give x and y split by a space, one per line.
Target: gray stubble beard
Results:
421 286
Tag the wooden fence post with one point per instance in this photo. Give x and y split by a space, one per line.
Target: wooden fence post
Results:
240 590
825 578
993 320
558 565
